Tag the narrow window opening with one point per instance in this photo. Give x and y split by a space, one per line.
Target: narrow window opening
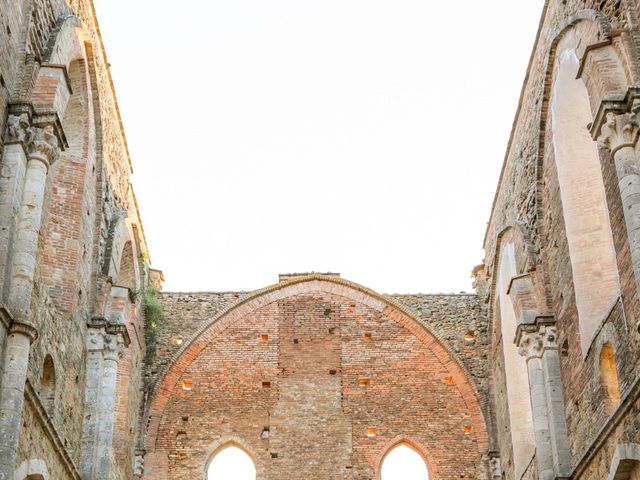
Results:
264 337
372 432
266 384
364 382
584 205
187 385
367 337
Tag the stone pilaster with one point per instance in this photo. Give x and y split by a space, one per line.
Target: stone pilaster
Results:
14 376
538 343
617 129
105 345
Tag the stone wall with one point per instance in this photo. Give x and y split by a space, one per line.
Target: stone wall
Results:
528 198
88 213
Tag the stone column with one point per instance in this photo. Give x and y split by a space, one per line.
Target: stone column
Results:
105 344
12 170
14 376
42 152
537 342
42 149
619 133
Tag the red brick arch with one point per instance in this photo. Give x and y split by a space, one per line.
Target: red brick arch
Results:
162 390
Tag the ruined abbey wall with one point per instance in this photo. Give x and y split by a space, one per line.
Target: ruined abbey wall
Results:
534 377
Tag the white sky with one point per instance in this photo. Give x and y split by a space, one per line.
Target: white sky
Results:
358 136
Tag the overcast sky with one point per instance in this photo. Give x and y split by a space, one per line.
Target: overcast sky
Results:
357 136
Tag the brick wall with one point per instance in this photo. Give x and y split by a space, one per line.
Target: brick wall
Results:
285 381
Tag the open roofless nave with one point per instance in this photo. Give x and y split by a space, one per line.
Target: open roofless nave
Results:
535 376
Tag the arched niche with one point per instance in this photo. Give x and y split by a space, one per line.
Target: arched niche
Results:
48 385
584 204
609 377
515 366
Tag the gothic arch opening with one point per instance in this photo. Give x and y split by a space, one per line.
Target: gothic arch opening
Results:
584 205
609 377
515 366
231 463
403 462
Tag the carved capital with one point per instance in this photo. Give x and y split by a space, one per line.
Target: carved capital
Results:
530 345
43 144
110 344
533 339
17 128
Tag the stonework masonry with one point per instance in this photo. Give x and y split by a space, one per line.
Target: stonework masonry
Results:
535 376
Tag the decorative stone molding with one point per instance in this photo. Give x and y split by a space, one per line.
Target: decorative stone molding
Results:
17 128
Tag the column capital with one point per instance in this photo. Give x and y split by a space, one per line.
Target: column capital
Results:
43 144
24 328
615 124
620 130
534 338
39 132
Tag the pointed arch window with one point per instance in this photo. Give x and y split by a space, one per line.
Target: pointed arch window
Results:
231 463
403 463
584 204
609 377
